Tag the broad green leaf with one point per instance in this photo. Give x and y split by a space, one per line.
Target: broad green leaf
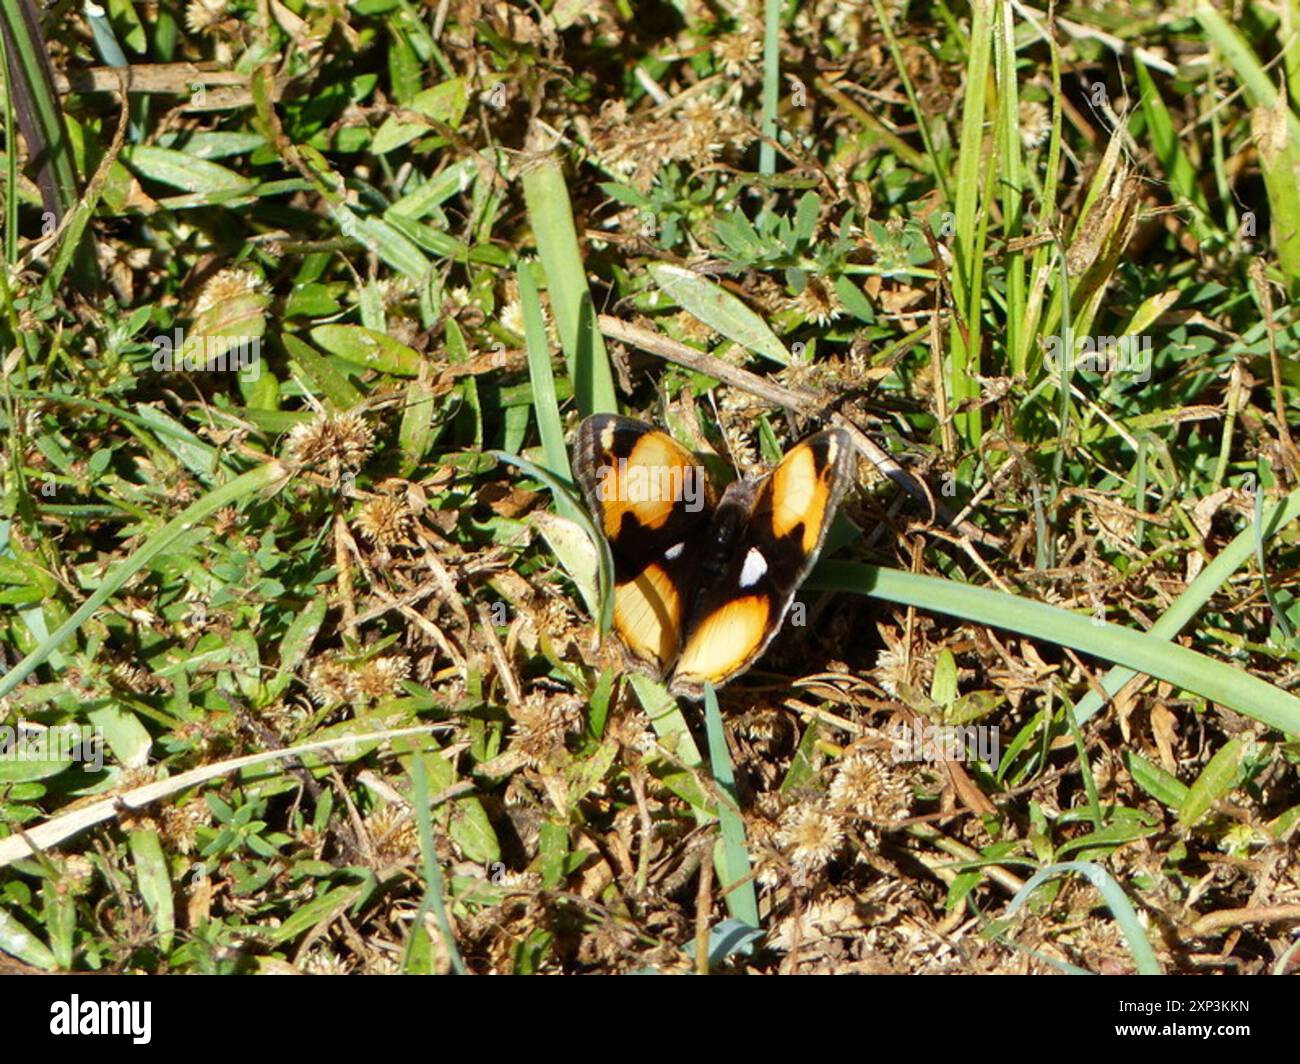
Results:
719 309
585 773
574 550
124 734
369 348
295 645
154 883
181 170
553 847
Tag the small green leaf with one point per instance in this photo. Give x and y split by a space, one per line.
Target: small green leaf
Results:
336 388
154 883
18 942
1155 781
471 830
855 302
803 767
1216 780
324 907
553 845
943 688
416 432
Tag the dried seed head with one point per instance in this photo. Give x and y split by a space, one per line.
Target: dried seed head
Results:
512 317
866 785
329 681
288 718
325 961
393 833
705 127
382 677
810 836
541 723
181 823
1035 123
201 15
766 726
132 678
78 871
337 443
818 302
224 286
737 53
225 521
384 520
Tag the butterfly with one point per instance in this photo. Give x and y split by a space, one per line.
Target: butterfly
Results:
702 579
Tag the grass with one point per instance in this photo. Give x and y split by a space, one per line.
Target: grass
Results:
287 518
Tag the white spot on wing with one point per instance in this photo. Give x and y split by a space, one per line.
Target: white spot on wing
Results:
674 551
755 567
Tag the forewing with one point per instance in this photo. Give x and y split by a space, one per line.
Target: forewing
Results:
653 502
736 616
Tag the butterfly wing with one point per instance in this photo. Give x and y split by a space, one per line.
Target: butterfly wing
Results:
764 561
654 503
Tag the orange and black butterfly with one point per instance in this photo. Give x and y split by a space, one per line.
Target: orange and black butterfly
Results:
702 581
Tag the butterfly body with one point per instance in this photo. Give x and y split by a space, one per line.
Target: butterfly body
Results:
703 580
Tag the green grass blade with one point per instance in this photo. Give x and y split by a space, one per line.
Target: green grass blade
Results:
11 171
968 247
1177 166
1144 957
673 734
31 78
1259 87
268 476
551 215
1011 179
546 405
1146 653
578 514
1197 594
771 83
918 112
433 885
733 853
